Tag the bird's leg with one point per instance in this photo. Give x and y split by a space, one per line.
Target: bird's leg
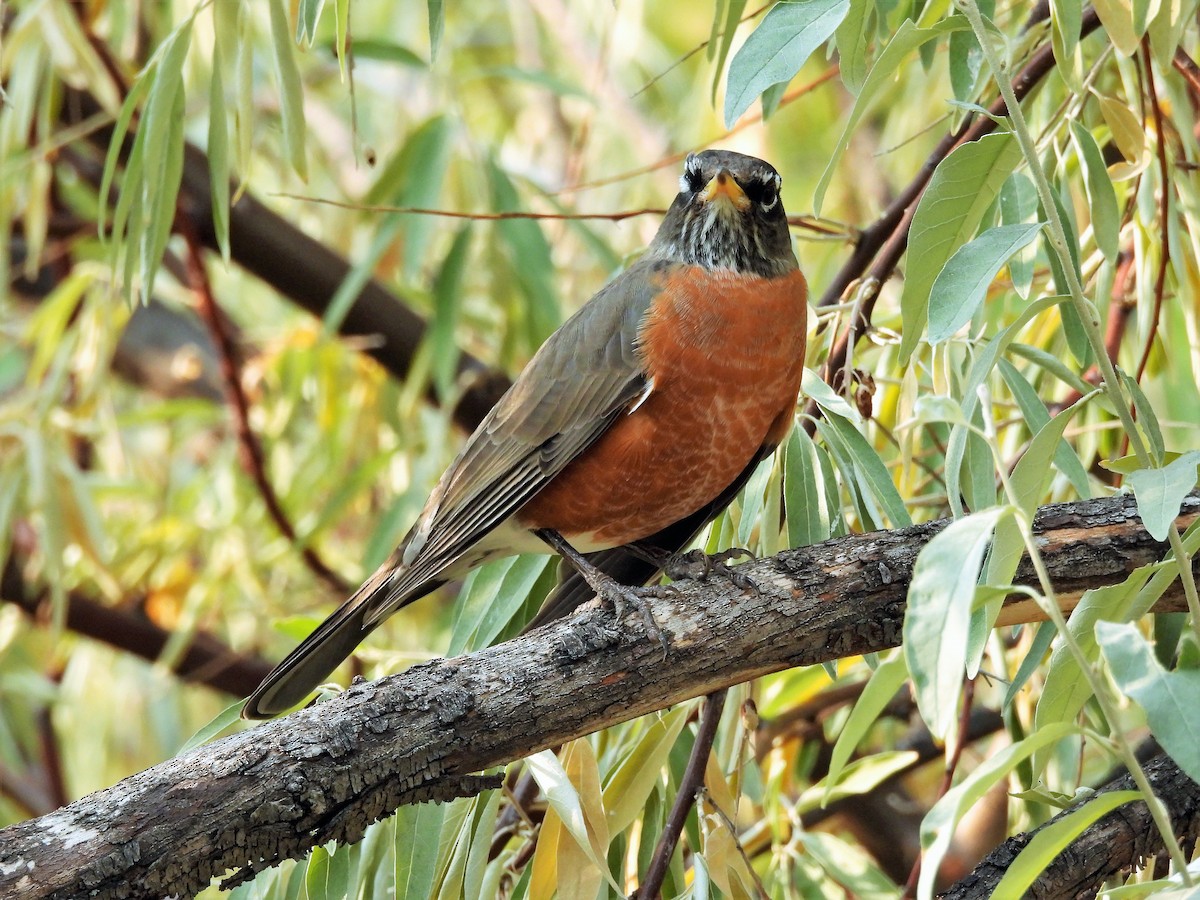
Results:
696 564
619 596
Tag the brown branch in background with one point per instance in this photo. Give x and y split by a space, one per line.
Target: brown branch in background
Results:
251 449
885 241
685 798
961 739
1164 209
302 269
205 661
1187 67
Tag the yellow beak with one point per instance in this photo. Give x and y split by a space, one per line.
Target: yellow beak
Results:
723 186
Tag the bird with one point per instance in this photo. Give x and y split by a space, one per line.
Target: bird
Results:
635 423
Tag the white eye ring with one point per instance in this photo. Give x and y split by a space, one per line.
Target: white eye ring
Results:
767 207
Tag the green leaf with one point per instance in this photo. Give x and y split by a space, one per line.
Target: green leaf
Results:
291 96
853 38
1117 18
908 38
937 828
120 128
961 286
775 51
940 597
531 264
1018 203
808 516
230 715
817 390
853 446
1036 416
308 13
965 59
1160 492
1102 198
859 777
437 24
1051 839
492 592
1168 698
416 859
218 155
1065 690
721 39
447 303
1033 659
882 686
1066 23
1029 481
1147 417
564 799
389 51
640 770
961 190
161 134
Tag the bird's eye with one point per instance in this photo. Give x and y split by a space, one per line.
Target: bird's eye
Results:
691 179
765 193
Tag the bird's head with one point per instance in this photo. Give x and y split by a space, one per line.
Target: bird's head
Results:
727 215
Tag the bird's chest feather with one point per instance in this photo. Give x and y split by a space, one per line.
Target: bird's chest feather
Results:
724 355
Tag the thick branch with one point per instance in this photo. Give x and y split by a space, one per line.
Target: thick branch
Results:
323 773
1119 842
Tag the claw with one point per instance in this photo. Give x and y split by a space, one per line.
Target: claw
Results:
699 566
623 598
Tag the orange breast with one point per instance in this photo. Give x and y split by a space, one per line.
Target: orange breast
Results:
726 355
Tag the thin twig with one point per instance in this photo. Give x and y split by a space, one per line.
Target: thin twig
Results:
1164 211
251 449
692 781
679 62
961 739
474 216
675 158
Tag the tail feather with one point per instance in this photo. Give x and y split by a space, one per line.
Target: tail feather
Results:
321 652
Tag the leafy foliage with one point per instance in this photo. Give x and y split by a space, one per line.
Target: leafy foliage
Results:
1040 342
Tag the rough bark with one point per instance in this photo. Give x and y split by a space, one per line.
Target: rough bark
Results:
326 772
1117 843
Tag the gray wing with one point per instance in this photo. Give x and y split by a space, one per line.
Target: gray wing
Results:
587 374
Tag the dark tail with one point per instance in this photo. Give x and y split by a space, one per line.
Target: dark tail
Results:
321 652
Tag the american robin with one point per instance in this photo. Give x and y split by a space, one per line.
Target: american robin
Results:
631 427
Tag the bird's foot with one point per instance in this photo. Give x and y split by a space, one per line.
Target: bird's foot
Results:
623 598
620 597
700 566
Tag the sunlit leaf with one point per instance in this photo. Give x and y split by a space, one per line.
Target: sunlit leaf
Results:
1168 698
782 43
1160 492
962 285
940 596
1053 838
960 191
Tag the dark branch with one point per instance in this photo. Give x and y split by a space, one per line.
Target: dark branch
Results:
1119 842
326 772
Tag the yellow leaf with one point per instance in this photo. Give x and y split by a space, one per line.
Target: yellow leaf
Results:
1117 18
544 877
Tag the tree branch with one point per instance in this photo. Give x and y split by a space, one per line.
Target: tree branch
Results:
326 772
1116 843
